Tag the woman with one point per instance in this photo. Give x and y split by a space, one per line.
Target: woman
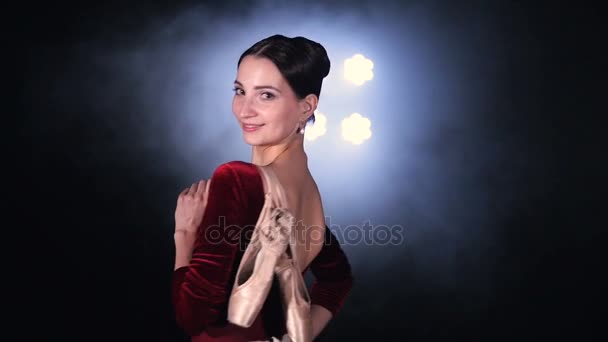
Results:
276 93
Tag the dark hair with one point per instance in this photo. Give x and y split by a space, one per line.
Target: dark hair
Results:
302 62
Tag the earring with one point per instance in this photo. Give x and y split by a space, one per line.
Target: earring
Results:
301 128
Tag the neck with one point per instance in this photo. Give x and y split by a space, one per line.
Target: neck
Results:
291 152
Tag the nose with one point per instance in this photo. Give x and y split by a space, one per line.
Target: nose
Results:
244 108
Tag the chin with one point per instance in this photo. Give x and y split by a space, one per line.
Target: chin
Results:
258 140
253 141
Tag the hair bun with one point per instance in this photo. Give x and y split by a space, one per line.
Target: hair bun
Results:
318 55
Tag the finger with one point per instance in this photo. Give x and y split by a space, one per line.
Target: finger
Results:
182 194
202 187
193 188
206 193
207 186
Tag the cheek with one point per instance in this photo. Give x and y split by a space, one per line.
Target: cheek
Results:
236 106
282 115
290 116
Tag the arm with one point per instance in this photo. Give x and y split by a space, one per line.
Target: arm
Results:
332 285
201 279
320 317
184 244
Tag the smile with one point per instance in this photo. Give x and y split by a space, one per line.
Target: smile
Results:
251 128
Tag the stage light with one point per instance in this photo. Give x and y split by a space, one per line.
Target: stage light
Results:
358 69
318 128
356 129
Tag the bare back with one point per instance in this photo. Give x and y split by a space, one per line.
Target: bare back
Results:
304 200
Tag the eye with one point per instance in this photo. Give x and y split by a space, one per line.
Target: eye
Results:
237 91
267 96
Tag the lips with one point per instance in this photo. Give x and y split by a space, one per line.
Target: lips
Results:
251 127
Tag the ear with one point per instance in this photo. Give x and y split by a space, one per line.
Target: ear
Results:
308 105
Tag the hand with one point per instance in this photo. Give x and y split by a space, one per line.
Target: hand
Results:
286 338
275 231
190 208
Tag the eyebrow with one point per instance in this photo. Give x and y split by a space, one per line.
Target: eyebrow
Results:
260 87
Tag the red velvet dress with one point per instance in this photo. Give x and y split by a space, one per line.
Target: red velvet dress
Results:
201 290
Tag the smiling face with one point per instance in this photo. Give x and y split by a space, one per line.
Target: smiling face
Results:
264 104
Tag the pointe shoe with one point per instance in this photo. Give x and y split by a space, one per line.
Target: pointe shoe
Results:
254 276
294 293
295 298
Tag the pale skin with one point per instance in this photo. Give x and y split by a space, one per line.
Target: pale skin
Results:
265 99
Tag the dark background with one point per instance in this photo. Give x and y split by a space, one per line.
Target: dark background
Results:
99 249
